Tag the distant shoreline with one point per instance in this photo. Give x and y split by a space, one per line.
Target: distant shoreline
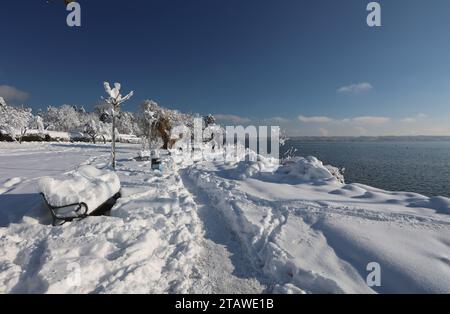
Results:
418 138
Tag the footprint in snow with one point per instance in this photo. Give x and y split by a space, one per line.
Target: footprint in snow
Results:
10 183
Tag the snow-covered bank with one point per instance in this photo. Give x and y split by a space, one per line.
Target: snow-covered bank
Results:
214 227
315 234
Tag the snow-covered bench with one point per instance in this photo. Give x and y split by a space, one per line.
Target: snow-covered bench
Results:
84 192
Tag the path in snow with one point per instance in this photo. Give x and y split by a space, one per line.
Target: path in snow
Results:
148 244
223 266
316 241
153 242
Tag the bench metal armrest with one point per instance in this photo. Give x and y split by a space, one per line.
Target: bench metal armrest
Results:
81 211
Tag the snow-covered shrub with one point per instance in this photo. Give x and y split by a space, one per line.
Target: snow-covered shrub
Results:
307 169
336 172
253 164
294 170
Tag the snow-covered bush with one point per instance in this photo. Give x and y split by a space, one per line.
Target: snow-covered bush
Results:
253 164
308 169
295 170
337 173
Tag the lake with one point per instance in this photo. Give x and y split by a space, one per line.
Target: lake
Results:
395 165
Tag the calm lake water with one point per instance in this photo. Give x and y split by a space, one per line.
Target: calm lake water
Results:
413 166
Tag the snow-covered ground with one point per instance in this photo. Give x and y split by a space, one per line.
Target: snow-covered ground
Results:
210 227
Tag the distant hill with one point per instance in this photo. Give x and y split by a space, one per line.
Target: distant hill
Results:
371 138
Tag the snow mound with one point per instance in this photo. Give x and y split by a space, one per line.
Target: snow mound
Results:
88 184
439 203
253 164
308 169
295 170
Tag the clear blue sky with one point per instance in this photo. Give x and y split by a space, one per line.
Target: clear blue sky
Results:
249 61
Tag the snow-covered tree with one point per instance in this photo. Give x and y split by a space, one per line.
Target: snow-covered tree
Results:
38 124
157 122
4 122
65 118
15 121
81 110
102 110
104 130
2 102
22 121
209 120
148 117
92 127
125 123
115 100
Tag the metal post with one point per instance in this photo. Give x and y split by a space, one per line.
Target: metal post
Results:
113 151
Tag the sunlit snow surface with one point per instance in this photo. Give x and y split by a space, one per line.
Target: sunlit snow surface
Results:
209 227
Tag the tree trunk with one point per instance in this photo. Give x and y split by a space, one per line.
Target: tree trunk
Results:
113 151
22 134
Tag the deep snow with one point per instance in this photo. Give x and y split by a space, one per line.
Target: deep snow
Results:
210 227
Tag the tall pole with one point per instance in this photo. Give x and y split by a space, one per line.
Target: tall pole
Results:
113 151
